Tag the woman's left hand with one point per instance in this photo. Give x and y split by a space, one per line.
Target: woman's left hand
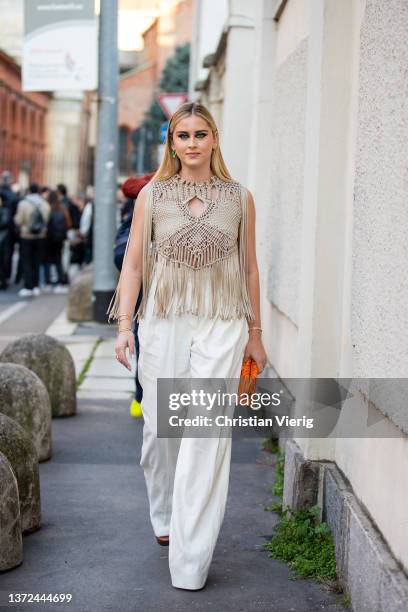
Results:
255 349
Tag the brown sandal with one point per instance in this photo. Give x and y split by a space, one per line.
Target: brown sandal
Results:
163 540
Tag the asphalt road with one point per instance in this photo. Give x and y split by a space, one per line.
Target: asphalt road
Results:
96 540
20 316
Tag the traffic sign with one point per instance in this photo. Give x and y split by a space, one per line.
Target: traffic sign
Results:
169 102
163 131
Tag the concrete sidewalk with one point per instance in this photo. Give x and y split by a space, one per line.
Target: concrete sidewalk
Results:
96 540
105 378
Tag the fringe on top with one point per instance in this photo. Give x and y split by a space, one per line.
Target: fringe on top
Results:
200 261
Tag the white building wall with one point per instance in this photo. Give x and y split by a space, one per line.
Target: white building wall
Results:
314 122
278 154
351 318
378 279
288 145
209 19
237 110
261 139
64 140
380 246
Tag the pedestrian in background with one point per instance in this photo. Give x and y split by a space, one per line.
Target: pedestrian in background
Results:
85 232
59 222
130 190
10 199
192 248
45 192
32 218
73 252
70 205
5 222
76 241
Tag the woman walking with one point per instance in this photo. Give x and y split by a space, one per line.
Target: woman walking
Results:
192 248
59 222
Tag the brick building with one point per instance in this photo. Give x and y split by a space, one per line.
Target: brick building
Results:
171 28
22 125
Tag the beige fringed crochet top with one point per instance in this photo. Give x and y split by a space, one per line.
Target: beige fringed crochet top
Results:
205 251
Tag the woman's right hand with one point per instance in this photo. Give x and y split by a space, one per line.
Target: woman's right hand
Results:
125 340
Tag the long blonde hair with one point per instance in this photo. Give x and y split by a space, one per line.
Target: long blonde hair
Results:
172 165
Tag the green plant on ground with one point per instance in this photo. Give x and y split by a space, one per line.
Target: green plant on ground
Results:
300 538
305 543
277 488
275 507
346 601
271 445
87 364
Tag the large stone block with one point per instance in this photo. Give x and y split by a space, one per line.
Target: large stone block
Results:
52 362
367 569
80 297
20 451
337 517
301 484
11 544
24 398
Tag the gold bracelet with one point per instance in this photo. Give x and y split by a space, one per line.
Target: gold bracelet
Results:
123 330
251 328
124 316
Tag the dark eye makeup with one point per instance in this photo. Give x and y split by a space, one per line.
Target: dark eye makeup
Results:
199 134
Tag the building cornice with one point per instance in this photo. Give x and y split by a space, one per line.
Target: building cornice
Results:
11 62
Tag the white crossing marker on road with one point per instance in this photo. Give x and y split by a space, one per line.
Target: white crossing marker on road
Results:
11 310
61 326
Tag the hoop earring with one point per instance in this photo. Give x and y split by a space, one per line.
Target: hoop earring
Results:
173 153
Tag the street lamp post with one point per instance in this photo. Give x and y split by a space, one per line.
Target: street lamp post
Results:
106 161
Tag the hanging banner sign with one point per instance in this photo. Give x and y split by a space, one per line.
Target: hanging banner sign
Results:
60 47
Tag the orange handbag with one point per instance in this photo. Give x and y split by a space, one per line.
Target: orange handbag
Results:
247 381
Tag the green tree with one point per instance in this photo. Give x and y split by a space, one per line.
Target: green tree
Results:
174 78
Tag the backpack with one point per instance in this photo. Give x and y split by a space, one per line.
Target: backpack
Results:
57 229
121 242
37 223
5 217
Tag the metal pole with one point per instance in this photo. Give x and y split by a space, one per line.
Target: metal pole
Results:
141 150
106 161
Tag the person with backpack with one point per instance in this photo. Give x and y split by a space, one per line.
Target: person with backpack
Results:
59 222
71 206
32 219
130 188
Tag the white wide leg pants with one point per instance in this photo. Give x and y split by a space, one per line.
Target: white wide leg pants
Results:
186 478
